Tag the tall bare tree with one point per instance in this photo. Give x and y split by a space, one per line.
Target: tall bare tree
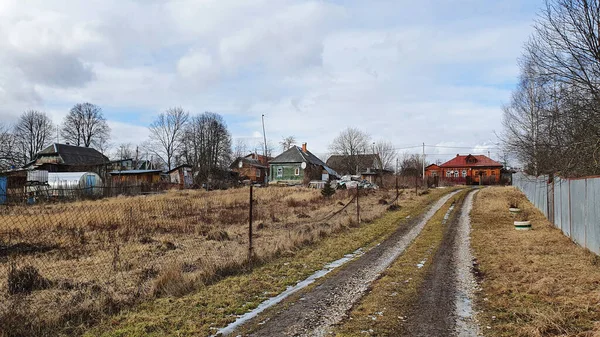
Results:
166 134
552 123
287 142
85 125
206 145
9 150
33 132
387 154
351 143
411 164
240 148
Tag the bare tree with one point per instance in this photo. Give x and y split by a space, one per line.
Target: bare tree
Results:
85 125
166 134
261 146
125 151
206 145
33 132
287 142
387 154
350 143
411 165
552 123
9 151
241 148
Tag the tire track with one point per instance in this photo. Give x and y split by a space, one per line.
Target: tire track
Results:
443 307
328 303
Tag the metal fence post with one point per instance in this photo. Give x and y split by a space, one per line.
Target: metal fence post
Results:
357 205
250 248
570 213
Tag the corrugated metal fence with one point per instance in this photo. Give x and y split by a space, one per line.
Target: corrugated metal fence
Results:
573 205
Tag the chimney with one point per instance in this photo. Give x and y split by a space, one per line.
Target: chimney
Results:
457 154
304 147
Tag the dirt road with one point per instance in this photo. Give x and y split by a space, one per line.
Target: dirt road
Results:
327 304
444 306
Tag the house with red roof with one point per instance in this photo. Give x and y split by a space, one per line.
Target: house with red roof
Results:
469 169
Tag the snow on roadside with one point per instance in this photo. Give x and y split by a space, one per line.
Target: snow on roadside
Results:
466 324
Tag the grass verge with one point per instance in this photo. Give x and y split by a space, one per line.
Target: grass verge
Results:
534 283
217 305
382 312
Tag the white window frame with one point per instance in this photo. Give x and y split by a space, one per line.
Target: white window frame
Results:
464 173
449 173
297 171
279 172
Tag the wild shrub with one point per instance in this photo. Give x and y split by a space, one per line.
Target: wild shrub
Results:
25 280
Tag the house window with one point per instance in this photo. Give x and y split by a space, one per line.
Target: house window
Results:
448 174
279 172
258 173
464 173
297 171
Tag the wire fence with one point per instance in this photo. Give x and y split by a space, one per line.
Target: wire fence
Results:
573 205
63 264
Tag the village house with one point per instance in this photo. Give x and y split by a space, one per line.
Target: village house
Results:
467 169
368 166
253 167
298 166
69 158
182 176
135 177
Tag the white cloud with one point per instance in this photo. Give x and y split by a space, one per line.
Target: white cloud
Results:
401 70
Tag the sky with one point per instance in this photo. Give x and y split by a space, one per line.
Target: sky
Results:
409 72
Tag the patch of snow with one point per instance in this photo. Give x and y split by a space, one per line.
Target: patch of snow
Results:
289 291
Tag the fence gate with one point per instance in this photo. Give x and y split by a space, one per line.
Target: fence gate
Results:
3 190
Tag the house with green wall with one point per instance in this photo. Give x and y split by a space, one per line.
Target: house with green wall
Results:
298 166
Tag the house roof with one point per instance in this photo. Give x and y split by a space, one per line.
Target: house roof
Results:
178 167
249 161
295 155
74 155
432 166
478 161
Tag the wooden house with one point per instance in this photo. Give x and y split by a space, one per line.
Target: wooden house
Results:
253 167
467 169
181 176
298 166
69 158
136 177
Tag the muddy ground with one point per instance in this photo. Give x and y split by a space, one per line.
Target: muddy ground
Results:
443 307
327 304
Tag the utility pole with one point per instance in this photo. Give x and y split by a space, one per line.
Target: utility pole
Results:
265 140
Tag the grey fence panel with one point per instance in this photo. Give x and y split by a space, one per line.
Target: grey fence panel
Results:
557 203
565 204
593 214
575 205
578 211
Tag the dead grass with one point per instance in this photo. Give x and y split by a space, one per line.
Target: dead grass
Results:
100 256
383 311
217 304
534 283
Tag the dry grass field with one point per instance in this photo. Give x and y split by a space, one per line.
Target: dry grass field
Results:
534 283
76 262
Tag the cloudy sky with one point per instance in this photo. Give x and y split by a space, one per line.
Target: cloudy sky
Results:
433 71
